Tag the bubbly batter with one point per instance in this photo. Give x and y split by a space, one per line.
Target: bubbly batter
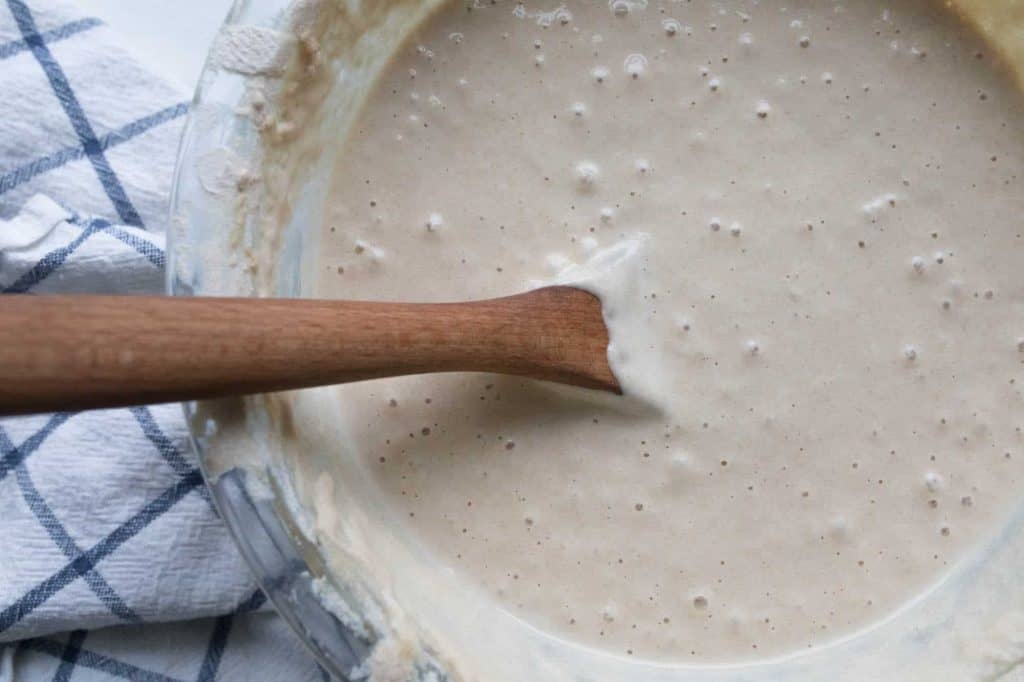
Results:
831 276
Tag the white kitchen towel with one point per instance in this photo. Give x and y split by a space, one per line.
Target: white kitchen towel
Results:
104 519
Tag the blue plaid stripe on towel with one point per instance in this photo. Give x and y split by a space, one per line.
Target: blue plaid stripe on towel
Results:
113 563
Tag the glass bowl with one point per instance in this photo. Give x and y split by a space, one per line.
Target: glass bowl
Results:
245 213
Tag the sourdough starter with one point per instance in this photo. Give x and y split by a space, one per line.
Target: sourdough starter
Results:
820 332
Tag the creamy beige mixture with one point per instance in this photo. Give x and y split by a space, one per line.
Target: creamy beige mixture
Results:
831 282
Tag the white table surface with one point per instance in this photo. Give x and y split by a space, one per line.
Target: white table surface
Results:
172 38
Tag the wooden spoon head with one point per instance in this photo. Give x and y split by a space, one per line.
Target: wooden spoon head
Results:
571 339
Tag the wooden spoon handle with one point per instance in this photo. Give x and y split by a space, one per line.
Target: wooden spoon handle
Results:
81 352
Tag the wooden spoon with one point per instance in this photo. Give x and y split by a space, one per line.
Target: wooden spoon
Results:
83 352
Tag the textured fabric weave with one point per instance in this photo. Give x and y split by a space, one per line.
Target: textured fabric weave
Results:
113 562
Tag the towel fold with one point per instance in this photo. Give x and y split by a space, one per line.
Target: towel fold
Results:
104 519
